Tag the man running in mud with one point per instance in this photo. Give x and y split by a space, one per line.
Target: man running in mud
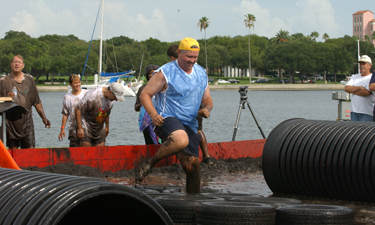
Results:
182 93
172 54
20 127
93 110
69 104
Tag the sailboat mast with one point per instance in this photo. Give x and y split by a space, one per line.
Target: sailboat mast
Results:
101 41
358 57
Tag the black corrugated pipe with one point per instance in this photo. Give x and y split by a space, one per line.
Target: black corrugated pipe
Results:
29 197
330 159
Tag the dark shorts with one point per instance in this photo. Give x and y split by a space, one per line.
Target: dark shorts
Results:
74 144
172 124
92 140
26 142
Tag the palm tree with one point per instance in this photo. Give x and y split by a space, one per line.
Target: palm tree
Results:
203 24
249 22
282 36
325 36
367 38
314 35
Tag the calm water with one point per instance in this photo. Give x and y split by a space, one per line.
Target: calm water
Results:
270 108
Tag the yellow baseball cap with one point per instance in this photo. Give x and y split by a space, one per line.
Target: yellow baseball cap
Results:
189 44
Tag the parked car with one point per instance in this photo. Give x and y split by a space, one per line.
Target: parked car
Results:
319 77
210 80
285 81
234 81
275 75
221 81
262 80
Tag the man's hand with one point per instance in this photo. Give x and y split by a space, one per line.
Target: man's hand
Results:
62 135
11 94
204 112
157 120
80 133
106 129
46 123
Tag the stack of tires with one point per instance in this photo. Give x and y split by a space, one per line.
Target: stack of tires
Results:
233 208
29 197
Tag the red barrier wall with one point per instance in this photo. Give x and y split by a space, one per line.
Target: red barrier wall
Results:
114 158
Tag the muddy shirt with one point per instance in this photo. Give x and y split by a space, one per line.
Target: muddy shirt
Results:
69 103
95 109
27 96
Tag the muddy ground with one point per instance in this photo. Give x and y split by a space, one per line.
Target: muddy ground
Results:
219 167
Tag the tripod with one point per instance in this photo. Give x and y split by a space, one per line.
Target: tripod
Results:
243 100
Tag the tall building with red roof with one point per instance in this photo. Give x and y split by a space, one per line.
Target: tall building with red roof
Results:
364 24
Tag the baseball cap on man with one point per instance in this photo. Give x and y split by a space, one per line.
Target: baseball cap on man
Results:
118 90
189 44
365 59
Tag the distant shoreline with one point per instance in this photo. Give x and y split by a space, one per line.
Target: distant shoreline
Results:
252 87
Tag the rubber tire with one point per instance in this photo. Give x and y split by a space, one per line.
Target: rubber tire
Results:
182 209
314 214
235 213
275 201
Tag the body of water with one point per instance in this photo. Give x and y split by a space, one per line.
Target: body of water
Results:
269 107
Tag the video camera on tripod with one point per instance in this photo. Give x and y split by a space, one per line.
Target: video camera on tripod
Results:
243 92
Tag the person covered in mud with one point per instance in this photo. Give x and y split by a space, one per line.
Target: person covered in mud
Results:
70 101
182 93
363 100
144 119
172 54
21 87
93 110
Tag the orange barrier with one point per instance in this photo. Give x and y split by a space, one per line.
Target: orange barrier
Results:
114 158
6 160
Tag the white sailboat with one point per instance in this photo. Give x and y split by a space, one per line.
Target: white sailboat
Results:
104 79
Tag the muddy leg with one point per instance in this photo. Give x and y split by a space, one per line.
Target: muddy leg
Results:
175 143
85 144
100 144
203 144
190 164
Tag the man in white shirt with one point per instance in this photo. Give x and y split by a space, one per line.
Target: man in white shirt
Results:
363 99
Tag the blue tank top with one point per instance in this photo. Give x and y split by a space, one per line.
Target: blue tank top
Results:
184 93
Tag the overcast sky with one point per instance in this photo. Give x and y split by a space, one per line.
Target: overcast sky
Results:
172 20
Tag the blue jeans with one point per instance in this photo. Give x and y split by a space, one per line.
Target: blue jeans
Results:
360 117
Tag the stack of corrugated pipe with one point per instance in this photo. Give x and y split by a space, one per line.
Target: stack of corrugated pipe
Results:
29 197
328 159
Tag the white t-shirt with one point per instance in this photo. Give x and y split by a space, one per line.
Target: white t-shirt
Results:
362 104
69 103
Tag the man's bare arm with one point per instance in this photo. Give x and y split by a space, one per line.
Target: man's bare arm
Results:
155 85
39 109
207 104
80 132
357 90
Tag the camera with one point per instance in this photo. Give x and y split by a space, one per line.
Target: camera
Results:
243 90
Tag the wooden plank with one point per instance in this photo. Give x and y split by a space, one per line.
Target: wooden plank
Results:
6 99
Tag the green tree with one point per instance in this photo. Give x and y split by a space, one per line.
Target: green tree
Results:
249 22
314 35
281 36
203 23
325 36
367 38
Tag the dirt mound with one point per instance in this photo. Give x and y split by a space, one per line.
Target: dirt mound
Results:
219 167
